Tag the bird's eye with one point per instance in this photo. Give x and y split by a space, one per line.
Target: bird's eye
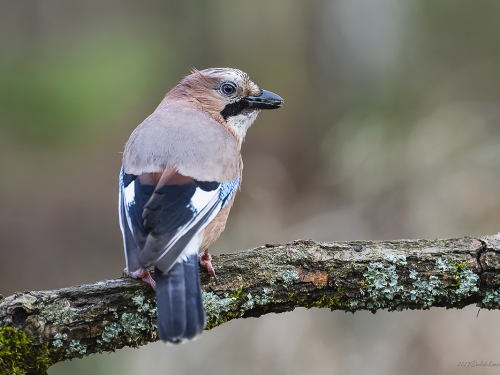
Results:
228 89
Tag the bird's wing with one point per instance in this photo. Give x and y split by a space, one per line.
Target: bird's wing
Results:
158 221
130 204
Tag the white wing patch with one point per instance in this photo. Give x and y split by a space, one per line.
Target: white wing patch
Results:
129 194
201 198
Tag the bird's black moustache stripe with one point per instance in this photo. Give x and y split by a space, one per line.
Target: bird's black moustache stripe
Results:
234 109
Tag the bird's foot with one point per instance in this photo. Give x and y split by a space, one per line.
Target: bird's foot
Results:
205 260
143 274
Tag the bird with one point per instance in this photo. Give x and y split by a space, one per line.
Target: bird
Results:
180 172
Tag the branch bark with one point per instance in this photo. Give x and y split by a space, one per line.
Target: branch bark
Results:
38 329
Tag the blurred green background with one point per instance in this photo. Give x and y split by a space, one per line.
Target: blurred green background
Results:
390 129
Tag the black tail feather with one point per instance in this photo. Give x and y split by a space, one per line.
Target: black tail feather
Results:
200 310
179 302
194 303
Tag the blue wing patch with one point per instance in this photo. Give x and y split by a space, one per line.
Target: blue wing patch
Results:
227 190
158 224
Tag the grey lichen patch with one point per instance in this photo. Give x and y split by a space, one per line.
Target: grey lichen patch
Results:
221 309
133 322
264 298
289 277
59 312
382 281
464 279
491 300
67 317
132 328
352 304
59 338
110 333
138 300
218 310
468 283
248 304
143 305
396 259
250 301
76 349
441 264
384 291
425 292
57 343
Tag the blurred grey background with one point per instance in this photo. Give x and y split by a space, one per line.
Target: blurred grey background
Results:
390 129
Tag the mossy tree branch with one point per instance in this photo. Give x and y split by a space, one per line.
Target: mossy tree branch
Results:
38 329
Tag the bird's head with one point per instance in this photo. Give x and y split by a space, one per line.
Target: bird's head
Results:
228 95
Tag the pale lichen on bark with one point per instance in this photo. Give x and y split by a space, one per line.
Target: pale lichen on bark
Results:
52 326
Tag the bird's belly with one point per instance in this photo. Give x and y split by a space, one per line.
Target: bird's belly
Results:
214 229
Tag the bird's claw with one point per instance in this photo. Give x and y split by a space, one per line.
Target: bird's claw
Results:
143 274
205 260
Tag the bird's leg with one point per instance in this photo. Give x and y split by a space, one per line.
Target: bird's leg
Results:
143 274
205 260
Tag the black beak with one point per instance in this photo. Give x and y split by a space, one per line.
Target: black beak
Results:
266 100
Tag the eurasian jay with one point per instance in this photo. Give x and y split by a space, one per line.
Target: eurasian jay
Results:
181 170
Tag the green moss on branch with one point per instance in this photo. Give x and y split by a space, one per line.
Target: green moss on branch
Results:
18 356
